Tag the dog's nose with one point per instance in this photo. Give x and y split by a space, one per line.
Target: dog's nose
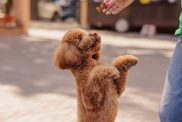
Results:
95 34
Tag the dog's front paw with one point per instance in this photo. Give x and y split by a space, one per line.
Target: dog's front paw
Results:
124 63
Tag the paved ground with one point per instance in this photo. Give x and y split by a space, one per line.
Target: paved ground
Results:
32 90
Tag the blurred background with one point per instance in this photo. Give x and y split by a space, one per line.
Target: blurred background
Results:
32 90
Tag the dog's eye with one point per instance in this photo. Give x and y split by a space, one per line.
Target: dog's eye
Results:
80 37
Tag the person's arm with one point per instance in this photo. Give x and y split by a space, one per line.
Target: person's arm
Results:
115 6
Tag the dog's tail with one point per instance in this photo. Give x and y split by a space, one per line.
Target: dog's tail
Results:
123 64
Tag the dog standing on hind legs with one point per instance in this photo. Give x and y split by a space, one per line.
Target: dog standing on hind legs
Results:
98 85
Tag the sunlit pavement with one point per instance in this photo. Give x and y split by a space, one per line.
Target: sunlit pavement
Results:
32 90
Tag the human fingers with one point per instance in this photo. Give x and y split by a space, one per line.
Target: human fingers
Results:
105 1
117 10
111 10
109 4
108 7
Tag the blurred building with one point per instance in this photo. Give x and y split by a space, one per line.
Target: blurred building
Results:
163 14
15 15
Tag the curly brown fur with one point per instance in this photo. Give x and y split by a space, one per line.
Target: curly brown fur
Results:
98 85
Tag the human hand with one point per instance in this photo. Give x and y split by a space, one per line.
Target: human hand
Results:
115 6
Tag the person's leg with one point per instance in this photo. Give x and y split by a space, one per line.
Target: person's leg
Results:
70 9
171 103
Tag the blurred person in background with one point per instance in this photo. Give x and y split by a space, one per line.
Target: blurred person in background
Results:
9 19
8 7
56 10
171 103
1 9
68 8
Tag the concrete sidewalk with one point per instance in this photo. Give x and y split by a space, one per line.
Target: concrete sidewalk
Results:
32 90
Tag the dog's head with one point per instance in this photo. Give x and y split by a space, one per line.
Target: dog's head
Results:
76 47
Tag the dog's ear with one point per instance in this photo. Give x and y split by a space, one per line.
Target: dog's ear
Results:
67 56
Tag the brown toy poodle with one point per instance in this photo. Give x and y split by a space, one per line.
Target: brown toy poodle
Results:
98 85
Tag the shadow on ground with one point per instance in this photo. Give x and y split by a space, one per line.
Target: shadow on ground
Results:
26 62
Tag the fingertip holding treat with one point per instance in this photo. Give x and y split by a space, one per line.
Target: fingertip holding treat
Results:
108 12
101 7
104 10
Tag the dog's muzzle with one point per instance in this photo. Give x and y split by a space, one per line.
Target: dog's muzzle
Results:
95 37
